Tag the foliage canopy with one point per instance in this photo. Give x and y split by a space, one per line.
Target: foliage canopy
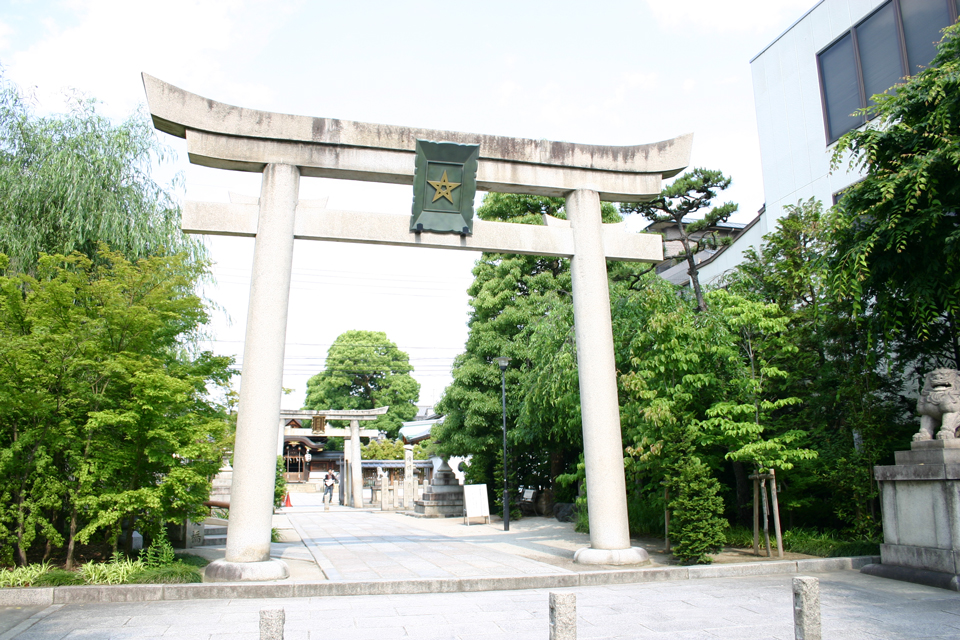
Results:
365 370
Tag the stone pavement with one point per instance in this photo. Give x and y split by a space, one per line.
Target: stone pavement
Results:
855 606
350 545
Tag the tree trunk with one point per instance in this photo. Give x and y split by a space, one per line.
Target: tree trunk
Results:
21 550
695 282
71 539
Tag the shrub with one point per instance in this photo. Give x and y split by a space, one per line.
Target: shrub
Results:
57 578
825 544
280 484
117 571
645 514
23 576
697 526
176 573
159 553
740 537
192 560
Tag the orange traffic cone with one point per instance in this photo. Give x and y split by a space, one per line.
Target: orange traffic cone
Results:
286 500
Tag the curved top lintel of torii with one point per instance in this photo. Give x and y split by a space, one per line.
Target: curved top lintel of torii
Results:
335 414
176 111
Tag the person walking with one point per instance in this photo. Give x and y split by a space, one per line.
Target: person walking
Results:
328 482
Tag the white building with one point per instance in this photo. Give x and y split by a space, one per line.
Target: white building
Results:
808 81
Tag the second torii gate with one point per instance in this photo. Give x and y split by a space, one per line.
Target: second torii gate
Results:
351 437
285 147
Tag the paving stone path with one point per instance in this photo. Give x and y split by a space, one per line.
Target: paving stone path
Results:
855 607
351 545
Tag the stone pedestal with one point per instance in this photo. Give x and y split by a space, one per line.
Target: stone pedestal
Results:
921 514
443 497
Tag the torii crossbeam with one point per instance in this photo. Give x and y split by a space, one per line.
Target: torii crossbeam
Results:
285 147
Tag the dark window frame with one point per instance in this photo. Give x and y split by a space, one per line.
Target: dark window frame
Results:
858 69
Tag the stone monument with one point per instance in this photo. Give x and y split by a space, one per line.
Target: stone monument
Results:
921 494
443 497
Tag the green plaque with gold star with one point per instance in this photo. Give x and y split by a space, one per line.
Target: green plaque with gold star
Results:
444 185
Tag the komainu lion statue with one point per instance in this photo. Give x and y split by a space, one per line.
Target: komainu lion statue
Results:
939 405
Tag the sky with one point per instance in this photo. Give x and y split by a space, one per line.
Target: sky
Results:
611 73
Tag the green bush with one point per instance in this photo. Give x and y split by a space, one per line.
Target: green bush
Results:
645 514
192 560
23 576
280 484
159 553
176 573
57 578
740 537
581 514
825 544
697 526
117 571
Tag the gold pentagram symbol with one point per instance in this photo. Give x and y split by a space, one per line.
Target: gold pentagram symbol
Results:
443 187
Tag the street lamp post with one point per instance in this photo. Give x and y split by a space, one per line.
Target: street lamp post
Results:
503 362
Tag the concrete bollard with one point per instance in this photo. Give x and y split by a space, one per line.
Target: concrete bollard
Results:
563 616
271 624
806 608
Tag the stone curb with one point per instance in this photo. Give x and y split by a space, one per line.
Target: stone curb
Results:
238 590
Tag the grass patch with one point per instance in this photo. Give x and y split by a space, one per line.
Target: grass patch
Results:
57 578
176 573
825 544
192 560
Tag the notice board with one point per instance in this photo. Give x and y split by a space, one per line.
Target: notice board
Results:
475 504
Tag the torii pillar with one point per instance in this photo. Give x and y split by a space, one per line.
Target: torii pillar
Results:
285 147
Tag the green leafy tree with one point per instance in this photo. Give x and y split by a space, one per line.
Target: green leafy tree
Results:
509 298
689 194
103 397
392 450
897 231
853 412
756 349
70 182
365 370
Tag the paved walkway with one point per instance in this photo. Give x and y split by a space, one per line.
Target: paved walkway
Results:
350 545
854 607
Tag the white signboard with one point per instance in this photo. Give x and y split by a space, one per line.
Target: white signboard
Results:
475 503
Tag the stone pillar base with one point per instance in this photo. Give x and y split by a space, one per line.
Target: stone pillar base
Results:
912 574
921 514
223 571
630 555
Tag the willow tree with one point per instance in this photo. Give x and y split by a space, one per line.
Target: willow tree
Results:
69 182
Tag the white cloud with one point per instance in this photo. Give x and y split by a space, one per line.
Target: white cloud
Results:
5 32
103 52
729 16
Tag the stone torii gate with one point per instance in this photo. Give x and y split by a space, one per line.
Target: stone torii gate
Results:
285 147
351 437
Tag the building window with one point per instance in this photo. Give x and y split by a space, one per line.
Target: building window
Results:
894 41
